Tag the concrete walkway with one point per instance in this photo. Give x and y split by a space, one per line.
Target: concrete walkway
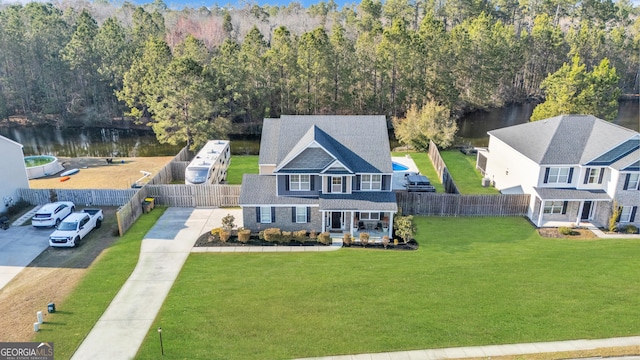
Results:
122 328
492 350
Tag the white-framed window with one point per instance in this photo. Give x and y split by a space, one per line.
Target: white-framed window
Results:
558 175
336 184
634 179
371 182
299 182
594 174
265 215
553 207
369 216
625 215
301 214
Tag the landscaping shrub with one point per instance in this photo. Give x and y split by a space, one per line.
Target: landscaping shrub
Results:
364 238
286 237
224 235
324 238
346 239
272 235
565 230
215 234
629 229
244 235
385 241
616 211
313 234
300 235
227 222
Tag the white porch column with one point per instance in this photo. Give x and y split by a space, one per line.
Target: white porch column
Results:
580 212
324 215
540 213
390 225
353 214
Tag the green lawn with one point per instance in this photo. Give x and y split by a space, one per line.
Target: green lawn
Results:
425 166
474 281
463 170
240 165
75 316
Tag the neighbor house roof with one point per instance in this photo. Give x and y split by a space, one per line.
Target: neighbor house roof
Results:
569 139
360 143
9 141
571 194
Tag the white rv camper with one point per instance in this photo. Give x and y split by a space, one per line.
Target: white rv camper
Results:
210 164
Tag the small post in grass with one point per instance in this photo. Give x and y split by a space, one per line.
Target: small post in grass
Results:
161 347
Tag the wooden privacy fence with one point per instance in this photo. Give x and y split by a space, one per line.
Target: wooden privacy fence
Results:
171 171
415 203
441 168
86 197
195 195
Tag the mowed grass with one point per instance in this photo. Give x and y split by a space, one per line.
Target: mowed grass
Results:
240 165
474 281
425 166
76 315
463 170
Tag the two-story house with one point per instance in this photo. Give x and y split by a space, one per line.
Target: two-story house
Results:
573 166
322 173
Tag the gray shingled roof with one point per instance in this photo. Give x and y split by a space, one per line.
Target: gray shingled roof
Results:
571 194
261 190
364 201
360 142
310 159
565 139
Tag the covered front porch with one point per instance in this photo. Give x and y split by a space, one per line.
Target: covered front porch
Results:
568 207
370 212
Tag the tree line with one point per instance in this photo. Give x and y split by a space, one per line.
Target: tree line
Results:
193 74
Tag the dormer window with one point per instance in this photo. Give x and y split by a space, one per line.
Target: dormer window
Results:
299 183
336 184
371 182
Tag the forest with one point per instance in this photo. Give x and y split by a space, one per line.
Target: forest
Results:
193 74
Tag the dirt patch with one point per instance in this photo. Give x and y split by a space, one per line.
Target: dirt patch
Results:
96 173
50 278
581 234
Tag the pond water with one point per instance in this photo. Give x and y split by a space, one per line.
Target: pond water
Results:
102 142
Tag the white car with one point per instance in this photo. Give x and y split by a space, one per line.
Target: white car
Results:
52 214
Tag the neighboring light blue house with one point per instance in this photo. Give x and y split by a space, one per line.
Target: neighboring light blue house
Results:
322 173
573 166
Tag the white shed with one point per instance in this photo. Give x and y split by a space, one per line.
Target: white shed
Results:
14 173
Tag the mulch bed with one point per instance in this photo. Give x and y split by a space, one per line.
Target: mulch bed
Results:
207 239
553 233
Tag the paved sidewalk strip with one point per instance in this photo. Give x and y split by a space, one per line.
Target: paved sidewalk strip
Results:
492 350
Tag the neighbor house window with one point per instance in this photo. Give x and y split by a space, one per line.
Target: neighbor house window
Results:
336 184
265 214
554 207
625 215
299 182
633 182
558 175
301 214
371 182
369 216
594 176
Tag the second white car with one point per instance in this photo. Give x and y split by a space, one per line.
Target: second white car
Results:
52 214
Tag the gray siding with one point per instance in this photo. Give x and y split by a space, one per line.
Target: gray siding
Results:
282 181
283 220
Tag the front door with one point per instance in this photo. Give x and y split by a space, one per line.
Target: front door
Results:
586 211
335 220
